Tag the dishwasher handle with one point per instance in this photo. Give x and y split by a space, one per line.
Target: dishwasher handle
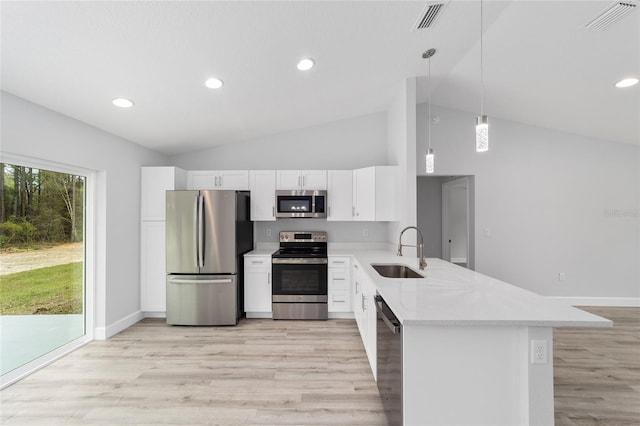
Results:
392 323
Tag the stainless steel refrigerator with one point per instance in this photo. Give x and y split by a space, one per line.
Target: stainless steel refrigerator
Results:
208 233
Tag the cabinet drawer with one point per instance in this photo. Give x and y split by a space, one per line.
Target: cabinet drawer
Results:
257 262
338 280
339 262
339 301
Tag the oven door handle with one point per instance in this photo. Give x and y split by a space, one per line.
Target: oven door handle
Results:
299 261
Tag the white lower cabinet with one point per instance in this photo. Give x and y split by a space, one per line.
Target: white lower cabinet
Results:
257 286
339 284
152 267
364 311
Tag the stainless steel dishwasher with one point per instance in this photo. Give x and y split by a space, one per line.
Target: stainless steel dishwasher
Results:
389 361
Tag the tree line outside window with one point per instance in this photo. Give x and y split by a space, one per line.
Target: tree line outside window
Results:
39 206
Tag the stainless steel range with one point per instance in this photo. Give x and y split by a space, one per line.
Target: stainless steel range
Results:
299 270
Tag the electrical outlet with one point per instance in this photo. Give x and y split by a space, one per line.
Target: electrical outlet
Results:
487 232
561 276
268 232
365 232
538 352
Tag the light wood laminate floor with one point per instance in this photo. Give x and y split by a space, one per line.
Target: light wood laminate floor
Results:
289 373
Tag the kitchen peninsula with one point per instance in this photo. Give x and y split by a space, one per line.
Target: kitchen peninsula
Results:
475 350
469 344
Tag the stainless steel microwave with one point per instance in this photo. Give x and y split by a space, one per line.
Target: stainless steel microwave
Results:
301 203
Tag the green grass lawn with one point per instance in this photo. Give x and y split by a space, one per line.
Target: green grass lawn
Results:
48 291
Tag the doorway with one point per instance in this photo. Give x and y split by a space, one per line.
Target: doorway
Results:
446 217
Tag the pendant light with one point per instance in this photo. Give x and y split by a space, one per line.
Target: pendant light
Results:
430 158
482 121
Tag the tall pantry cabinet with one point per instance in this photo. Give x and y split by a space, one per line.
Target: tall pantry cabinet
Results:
155 181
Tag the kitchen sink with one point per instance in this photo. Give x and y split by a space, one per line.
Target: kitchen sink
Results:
394 270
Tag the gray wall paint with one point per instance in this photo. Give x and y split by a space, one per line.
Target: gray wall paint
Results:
31 130
345 144
337 232
552 202
430 214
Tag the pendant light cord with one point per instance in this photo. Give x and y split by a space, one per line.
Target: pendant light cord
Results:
429 102
481 65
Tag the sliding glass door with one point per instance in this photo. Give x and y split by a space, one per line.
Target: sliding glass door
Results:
42 262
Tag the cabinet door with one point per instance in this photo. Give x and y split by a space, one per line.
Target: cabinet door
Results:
314 179
152 267
234 179
263 194
340 195
154 182
364 194
257 284
288 179
202 179
370 318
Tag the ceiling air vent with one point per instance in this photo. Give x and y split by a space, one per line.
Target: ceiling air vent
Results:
429 15
611 15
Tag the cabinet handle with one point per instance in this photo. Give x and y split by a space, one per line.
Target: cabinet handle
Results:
304 180
269 278
338 261
353 211
258 261
357 287
273 211
299 183
364 305
220 181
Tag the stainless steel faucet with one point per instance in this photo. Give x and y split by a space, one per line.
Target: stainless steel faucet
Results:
420 246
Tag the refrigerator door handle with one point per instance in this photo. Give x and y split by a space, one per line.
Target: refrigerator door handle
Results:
196 229
187 281
200 231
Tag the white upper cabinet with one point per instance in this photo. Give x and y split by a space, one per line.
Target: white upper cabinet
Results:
375 193
340 195
219 179
263 194
301 179
154 183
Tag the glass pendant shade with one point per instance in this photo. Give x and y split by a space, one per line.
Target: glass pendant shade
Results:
482 133
430 160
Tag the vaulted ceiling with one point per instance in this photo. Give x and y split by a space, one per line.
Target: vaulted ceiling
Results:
541 65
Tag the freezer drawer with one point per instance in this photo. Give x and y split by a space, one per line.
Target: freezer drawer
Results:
202 299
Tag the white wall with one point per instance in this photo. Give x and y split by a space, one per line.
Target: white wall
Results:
401 146
345 144
31 130
551 202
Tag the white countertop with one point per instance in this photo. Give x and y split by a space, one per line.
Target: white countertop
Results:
453 295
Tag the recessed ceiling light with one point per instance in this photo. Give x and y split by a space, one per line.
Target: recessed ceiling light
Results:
305 64
214 83
122 102
627 82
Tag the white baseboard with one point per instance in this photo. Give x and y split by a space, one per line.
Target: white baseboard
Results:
632 302
154 314
259 315
103 333
341 315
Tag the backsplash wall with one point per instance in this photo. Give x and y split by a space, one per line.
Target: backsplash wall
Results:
366 232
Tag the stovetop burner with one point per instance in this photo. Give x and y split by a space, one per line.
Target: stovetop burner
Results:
302 244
